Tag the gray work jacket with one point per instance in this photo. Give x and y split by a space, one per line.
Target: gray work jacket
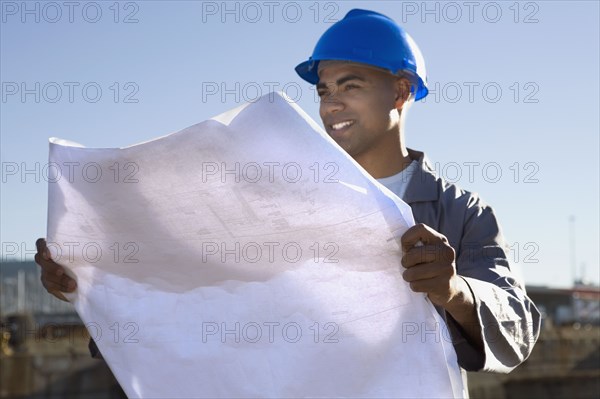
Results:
508 319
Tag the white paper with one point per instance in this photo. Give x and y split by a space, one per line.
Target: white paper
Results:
199 277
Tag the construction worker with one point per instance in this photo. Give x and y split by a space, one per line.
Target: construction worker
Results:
368 72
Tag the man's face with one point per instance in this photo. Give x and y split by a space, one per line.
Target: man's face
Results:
358 107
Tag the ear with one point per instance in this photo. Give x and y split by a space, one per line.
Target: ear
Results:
403 86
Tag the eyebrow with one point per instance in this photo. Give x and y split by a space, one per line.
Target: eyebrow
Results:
342 80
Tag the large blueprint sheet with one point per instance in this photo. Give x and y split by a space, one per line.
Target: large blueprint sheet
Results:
245 256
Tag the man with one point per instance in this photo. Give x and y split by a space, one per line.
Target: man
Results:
368 72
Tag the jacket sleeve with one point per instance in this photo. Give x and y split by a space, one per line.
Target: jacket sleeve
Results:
508 320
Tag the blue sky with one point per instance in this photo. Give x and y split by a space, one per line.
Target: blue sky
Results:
513 113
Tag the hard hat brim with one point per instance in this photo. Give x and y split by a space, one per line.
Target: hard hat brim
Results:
307 70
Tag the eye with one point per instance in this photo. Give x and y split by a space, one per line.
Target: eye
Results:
351 86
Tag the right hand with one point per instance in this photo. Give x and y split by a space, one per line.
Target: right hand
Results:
54 278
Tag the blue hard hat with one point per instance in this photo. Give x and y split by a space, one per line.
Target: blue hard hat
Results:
368 37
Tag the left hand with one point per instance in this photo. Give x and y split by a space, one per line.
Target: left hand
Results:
430 268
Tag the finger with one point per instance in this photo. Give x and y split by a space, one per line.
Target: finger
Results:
423 233
55 283
52 282
42 248
428 271
419 255
430 286
40 244
60 296
427 254
49 266
53 275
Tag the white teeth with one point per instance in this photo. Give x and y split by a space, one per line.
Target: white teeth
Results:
341 125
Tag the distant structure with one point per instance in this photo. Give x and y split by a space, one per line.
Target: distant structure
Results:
579 305
22 292
572 248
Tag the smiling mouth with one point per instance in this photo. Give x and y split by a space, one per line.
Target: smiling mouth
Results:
341 125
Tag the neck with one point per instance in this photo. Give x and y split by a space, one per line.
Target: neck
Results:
388 159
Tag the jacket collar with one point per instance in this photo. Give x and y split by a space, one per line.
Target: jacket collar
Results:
423 184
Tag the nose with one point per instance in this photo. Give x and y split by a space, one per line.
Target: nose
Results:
331 103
